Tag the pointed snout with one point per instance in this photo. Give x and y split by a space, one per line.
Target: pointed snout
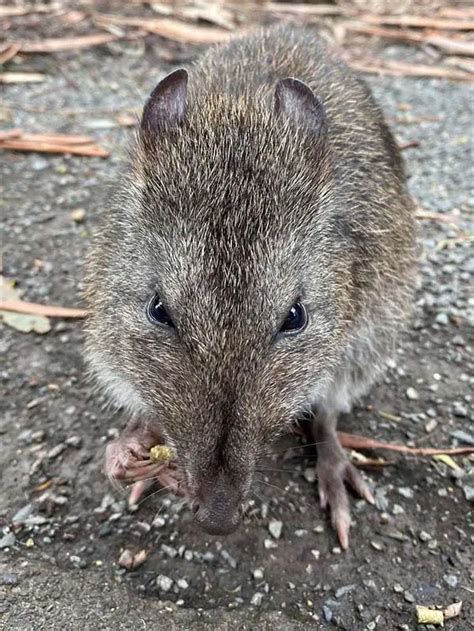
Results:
217 506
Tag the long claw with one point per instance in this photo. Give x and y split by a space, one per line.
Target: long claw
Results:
137 492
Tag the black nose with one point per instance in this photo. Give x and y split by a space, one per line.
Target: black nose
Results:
219 513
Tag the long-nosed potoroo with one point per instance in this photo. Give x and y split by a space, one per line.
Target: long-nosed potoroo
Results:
258 262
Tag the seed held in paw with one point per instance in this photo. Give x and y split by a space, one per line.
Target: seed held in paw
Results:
162 454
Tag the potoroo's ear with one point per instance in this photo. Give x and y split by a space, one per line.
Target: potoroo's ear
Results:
296 101
167 103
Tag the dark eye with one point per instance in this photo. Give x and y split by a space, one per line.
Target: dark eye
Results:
157 313
296 320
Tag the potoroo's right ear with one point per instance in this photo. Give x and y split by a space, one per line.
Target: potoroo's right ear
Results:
296 101
167 103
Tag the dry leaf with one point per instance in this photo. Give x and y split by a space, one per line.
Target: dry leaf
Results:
131 561
26 323
453 610
447 460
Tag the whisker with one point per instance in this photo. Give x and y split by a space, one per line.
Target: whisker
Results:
272 485
279 451
157 492
277 470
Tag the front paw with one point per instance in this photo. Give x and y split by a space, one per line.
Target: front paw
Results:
334 471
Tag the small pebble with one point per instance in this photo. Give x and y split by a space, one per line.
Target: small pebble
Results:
463 437
397 509
406 492
459 409
269 544
327 613
257 574
397 588
442 318
182 583
39 164
412 394
451 580
468 493
8 579
7 541
316 554
74 441
256 599
431 425
275 527
342 591
78 215
169 551
229 559
376 546
424 536
310 475
408 596
164 583
56 451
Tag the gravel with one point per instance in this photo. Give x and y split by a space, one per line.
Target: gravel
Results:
64 552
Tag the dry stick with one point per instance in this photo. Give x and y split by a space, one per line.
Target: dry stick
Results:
408 144
65 43
33 308
11 12
456 13
9 52
353 441
418 21
305 9
168 28
403 69
21 77
445 44
51 147
62 139
11 133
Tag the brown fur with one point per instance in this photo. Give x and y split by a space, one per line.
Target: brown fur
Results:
231 216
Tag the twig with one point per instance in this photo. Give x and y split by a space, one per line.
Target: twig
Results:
445 44
21 77
11 12
9 52
404 69
54 45
419 21
353 441
303 9
45 147
408 144
457 13
168 28
32 308
11 133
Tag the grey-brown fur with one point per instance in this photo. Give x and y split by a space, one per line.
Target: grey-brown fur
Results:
231 215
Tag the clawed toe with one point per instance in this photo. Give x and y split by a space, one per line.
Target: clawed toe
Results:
332 478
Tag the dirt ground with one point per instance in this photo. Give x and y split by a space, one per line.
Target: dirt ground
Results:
64 527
